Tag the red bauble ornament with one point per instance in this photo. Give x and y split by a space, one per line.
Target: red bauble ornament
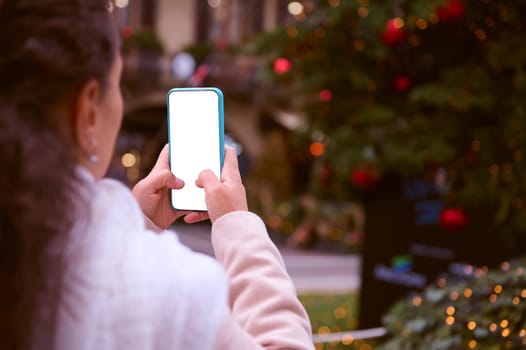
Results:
401 83
222 44
325 95
453 11
453 219
282 65
364 179
126 32
393 33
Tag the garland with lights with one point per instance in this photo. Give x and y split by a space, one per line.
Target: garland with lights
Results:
485 309
408 87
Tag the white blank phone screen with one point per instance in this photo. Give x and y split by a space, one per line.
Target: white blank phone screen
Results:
194 139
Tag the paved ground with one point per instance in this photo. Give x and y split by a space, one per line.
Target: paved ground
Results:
311 271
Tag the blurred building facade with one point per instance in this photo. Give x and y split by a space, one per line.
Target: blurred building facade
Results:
180 23
155 33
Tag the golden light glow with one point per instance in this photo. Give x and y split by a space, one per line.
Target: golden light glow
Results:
363 11
433 18
504 323
128 160
398 23
450 320
334 3
472 325
340 312
323 331
122 3
468 292
295 8
450 310
292 32
472 344
421 24
480 34
347 339
516 300
317 149
417 300
523 293
497 289
506 332
493 327
493 298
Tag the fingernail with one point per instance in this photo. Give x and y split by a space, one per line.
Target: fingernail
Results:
179 182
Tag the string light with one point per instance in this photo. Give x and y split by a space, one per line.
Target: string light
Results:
323 331
421 24
363 12
334 3
295 8
441 282
317 149
450 310
292 32
417 300
347 339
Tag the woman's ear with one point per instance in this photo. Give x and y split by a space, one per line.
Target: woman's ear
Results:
86 119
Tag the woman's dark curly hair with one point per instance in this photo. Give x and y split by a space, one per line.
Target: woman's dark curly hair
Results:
48 50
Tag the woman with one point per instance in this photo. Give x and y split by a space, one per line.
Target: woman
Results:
84 263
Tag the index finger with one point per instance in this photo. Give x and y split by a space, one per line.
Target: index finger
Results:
230 167
206 179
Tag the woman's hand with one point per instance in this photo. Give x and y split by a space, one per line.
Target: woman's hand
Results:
222 195
153 192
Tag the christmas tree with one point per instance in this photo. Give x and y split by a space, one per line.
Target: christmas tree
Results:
408 87
483 310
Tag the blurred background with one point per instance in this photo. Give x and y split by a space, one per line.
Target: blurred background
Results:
387 131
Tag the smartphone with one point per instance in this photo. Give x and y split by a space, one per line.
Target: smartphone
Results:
195 141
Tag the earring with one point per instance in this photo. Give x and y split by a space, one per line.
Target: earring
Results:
93 157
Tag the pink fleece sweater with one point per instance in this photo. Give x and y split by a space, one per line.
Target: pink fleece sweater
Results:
265 312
